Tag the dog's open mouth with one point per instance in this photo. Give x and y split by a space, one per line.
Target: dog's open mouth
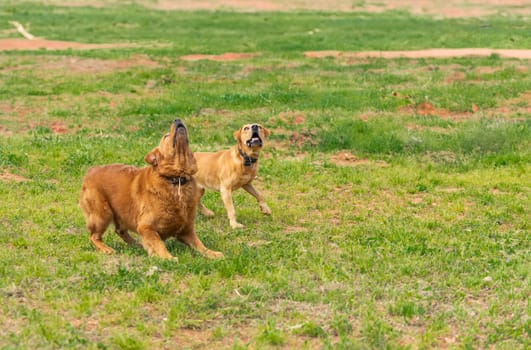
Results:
255 140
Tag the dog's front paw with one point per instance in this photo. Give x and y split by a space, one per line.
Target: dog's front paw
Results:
236 225
106 250
212 254
168 257
265 209
207 212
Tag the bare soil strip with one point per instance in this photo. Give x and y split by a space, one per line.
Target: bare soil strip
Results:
7 176
37 44
428 53
229 56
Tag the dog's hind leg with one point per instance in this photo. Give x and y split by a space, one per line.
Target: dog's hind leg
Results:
124 234
98 216
254 192
97 225
95 238
204 210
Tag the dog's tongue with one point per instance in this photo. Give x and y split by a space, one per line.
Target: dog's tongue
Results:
254 141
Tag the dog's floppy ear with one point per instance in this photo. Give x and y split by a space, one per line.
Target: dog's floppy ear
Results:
153 157
237 134
266 132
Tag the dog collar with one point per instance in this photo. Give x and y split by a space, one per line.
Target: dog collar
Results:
247 161
176 180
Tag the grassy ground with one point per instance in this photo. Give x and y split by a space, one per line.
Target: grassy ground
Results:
399 188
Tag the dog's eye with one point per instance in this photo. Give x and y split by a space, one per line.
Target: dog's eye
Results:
246 128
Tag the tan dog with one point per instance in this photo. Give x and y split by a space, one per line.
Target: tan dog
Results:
229 170
158 201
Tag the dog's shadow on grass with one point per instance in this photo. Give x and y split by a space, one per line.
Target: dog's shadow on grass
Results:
238 246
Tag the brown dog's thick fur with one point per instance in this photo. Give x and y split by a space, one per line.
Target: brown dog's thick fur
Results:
158 201
235 168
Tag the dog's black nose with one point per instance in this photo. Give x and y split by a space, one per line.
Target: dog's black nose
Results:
178 123
254 128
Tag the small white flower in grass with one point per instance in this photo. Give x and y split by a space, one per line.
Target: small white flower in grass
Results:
152 270
487 279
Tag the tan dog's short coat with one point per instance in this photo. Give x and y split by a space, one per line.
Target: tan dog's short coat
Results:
235 168
158 201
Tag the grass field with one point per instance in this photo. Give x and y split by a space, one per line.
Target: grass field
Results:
400 189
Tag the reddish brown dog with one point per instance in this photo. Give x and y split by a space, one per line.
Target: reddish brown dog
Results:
158 201
229 170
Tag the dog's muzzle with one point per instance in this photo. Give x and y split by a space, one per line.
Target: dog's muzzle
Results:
255 139
179 127
177 180
179 124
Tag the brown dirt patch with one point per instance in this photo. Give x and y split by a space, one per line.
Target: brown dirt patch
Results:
7 176
5 131
427 109
448 8
428 53
303 137
37 44
84 65
295 229
74 64
18 116
16 108
14 116
512 110
205 339
58 127
437 129
345 158
523 99
455 76
298 119
228 56
292 117
191 337
488 70
450 189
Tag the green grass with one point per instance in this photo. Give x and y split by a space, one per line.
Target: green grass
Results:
272 32
422 241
